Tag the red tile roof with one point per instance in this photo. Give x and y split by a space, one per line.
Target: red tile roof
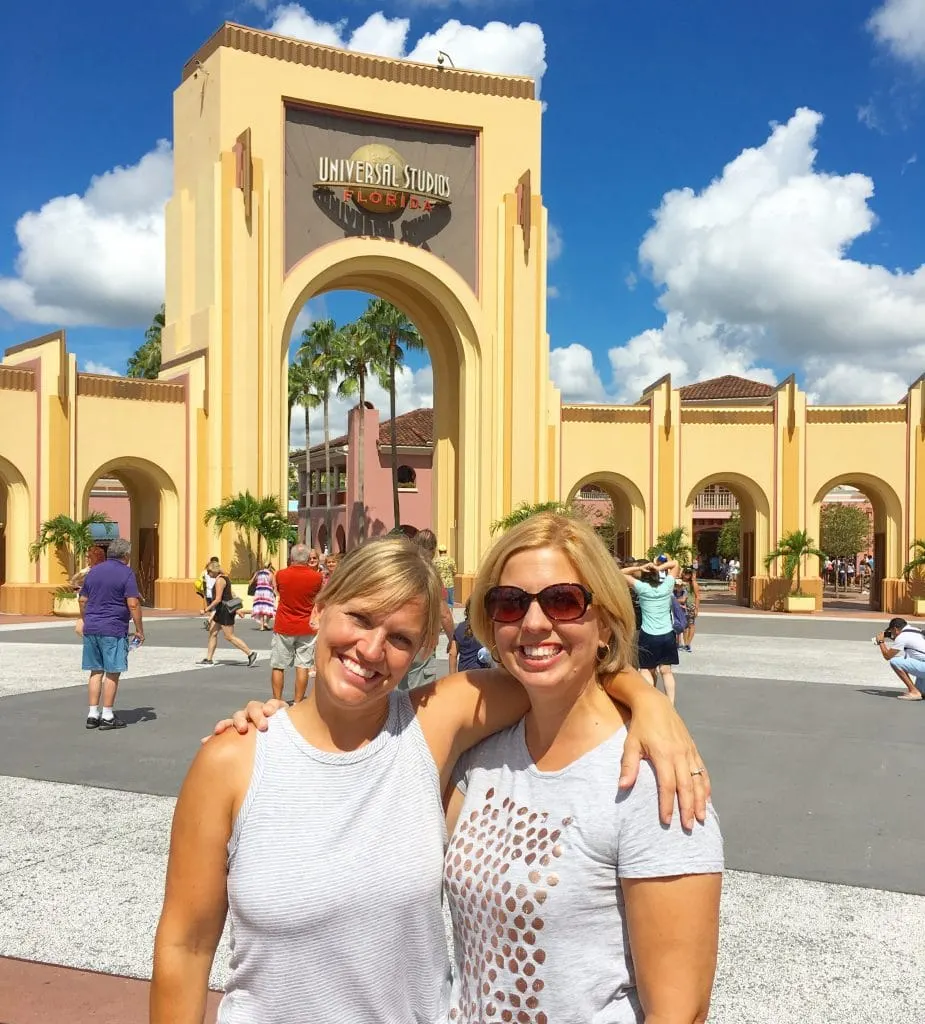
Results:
414 429
724 389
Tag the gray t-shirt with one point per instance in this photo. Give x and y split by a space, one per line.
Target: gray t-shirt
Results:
532 878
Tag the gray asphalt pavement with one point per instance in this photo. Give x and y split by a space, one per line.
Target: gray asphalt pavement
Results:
811 780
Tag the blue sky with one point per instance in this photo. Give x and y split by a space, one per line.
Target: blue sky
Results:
800 257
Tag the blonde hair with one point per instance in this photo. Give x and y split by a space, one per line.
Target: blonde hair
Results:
387 573
593 565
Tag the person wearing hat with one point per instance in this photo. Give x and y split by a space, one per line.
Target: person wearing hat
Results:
446 570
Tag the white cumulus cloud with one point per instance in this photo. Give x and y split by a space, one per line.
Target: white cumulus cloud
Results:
96 258
754 271
572 371
101 368
495 47
899 25
554 243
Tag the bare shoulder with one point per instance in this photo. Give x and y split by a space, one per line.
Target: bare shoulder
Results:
452 687
225 764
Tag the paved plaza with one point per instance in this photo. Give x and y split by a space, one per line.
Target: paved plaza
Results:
817 776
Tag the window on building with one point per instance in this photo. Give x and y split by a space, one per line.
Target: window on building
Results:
407 478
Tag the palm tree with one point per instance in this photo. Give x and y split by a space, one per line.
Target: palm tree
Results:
249 516
399 336
305 389
525 510
793 547
69 535
145 361
323 347
272 525
363 353
918 559
674 544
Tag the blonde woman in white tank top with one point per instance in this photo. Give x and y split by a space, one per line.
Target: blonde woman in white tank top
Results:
323 835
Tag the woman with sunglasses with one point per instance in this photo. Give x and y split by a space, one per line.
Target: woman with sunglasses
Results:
570 905
324 835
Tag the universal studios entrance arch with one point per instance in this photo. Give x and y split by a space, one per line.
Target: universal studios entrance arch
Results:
300 169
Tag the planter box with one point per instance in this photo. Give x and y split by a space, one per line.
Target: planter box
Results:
797 603
67 607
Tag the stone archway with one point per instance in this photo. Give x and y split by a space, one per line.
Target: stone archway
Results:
629 510
447 316
155 518
887 589
755 530
17 528
420 186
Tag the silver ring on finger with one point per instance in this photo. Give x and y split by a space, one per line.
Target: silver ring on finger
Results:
699 771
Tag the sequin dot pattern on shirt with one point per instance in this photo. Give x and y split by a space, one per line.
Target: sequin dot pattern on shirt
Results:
498 921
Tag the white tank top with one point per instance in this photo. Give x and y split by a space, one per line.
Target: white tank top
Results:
335 867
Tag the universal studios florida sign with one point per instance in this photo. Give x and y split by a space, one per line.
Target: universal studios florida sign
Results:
378 179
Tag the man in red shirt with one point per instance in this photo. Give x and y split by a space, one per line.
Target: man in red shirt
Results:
293 636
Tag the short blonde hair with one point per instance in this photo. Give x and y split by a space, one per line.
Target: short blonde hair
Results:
387 573
594 567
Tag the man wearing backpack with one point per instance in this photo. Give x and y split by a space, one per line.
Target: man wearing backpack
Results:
903 646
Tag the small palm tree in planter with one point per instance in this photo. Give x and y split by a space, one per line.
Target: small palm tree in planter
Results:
916 568
674 545
793 547
72 539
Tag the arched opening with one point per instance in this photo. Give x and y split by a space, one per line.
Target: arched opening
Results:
728 519
341 539
855 579
350 478
321 540
616 508
443 309
407 478
16 527
143 500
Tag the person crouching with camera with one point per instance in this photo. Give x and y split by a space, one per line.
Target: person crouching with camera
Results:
903 646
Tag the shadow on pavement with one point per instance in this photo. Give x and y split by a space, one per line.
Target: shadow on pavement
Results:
133 716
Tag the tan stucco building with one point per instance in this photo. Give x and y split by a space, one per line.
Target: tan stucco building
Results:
299 169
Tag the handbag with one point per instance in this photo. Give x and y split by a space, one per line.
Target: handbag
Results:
252 588
233 604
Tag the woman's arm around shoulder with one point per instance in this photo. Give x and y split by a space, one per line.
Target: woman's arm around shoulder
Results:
463 709
195 898
657 732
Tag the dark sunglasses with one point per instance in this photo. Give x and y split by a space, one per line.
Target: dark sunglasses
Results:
561 602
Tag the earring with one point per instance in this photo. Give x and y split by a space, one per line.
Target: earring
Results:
603 653
493 651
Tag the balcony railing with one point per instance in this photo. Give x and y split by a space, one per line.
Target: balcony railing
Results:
716 501
320 500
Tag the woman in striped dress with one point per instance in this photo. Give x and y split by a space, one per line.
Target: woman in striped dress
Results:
264 608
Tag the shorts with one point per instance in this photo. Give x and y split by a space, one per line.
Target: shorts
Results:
286 651
222 616
105 653
657 650
915 667
421 673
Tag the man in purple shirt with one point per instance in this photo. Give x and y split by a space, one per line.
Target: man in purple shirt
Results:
109 597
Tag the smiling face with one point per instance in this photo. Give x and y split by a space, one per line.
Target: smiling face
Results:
362 652
537 651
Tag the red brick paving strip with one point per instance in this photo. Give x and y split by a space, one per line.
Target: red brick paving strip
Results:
32 993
